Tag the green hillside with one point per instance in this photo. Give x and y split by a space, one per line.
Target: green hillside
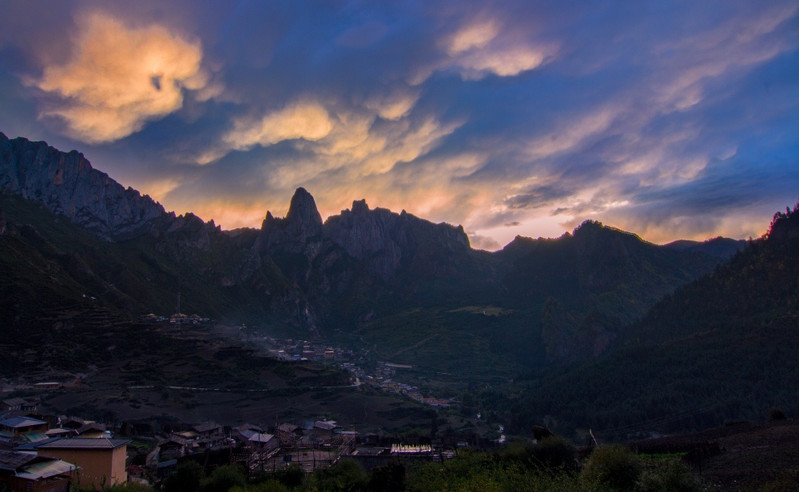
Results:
723 347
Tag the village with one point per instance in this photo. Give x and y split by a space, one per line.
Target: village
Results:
57 452
43 451
384 376
290 349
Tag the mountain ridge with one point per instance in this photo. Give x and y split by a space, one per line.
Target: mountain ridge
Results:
335 278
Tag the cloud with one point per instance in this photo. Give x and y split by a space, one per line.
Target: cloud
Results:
476 49
308 120
393 106
470 37
536 197
119 77
507 117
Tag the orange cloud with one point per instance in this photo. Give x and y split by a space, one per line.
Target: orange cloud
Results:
305 119
481 48
120 77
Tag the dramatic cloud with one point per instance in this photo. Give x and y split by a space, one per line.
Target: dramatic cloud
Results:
675 119
120 77
306 120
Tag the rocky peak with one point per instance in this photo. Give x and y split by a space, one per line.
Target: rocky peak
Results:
388 239
66 183
359 207
301 223
303 212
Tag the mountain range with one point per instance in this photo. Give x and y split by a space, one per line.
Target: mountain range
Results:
595 317
563 298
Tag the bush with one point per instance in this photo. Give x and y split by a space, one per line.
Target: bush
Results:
346 475
185 479
267 486
292 477
390 478
776 414
224 478
615 467
555 452
669 476
129 487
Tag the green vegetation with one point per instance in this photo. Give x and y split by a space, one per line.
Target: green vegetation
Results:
720 348
614 467
515 467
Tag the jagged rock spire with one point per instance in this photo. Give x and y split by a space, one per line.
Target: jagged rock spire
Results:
302 221
302 210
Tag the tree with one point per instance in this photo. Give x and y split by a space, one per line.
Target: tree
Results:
615 467
224 478
186 478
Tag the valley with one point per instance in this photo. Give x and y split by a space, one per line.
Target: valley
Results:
383 322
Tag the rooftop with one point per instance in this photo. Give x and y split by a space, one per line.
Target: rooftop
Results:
206 427
46 469
259 437
14 402
325 425
85 443
11 460
20 422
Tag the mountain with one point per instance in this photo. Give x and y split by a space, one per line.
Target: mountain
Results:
393 284
720 247
68 185
721 347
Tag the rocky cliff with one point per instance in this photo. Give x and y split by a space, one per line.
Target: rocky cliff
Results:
388 240
363 267
67 184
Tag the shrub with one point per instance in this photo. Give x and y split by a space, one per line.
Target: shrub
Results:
615 467
346 475
292 477
185 479
672 475
129 487
776 414
556 452
224 478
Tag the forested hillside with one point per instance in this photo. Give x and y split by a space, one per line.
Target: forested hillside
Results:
722 347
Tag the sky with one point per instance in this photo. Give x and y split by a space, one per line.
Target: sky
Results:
669 119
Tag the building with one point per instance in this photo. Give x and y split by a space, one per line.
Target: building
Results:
28 472
288 434
323 429
262 443
16 427
101 461
209 435
16 406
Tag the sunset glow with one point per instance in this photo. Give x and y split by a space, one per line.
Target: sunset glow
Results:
670 120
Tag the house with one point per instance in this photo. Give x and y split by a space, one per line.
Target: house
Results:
28 472
73 423
101 461
263 442
47 385
209 434
323 429
16 406
171 449
93 430
288 434
20 426
59 432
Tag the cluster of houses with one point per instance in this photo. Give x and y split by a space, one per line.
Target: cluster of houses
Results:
56 454
302 350
177 319
52 454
